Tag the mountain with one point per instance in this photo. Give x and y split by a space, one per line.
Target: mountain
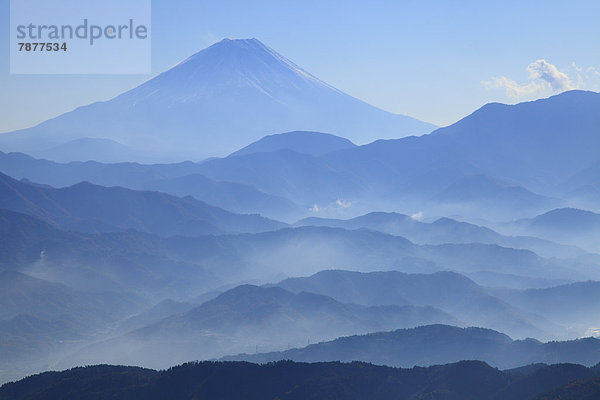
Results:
480 191
537 143
569 221
307 250
155 268
213 103
29 339
129 262
438 344
447 291
442 230
162 310
313 143
176 265
181 179
129 174
302 178
584 389
416 169
40 319
514 311
85 149
583 188
566 225
467 380
500 144
25 295
236 197
246 318
491 279
92 208
574 304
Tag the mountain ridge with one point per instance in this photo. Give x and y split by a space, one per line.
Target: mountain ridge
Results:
92 208
286 380
216 101
437 344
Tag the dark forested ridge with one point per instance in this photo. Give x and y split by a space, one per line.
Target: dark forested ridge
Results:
466 380
587 389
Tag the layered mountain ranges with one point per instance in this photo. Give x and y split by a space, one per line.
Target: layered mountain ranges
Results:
95 270
216 101
437 344
452 171
293 225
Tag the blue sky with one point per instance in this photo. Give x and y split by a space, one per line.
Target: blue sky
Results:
434 60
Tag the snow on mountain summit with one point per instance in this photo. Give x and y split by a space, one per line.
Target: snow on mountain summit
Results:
216 102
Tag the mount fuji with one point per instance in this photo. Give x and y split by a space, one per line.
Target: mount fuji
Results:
213 103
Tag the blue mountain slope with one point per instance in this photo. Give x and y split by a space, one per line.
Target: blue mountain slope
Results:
92 208
313 143
534 145
438 344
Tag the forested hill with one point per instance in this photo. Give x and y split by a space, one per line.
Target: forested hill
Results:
466 380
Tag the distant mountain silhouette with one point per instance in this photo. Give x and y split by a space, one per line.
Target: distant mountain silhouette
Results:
442 230
25 295
583 188
307 250
234 197
534 143
482 192
213 103
515 311
246 317
39 319
108 260
567 220
85 149
164 309
179 267
566 225
494 155
302 178
92 208
180 179
448 291
129 174
575 304
313 143
26 338
129 262
499 142
467 380
438 344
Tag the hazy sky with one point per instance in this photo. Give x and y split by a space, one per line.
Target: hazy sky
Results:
434 60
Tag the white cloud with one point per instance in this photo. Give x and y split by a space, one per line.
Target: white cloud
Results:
315 208
545 78
587 78
417 216
513 89
343 203
543 70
